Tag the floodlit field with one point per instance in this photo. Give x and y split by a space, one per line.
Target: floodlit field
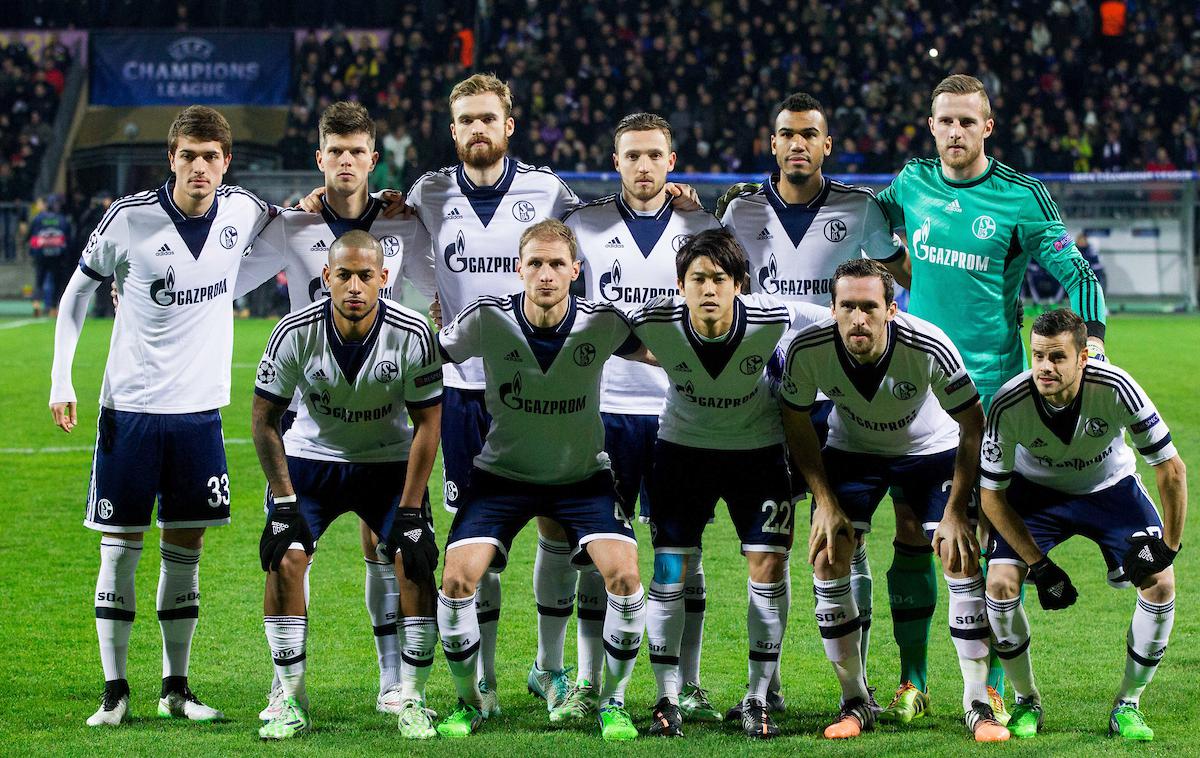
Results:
50 679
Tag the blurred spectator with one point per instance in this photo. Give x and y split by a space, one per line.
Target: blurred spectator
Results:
1090 250
49 246
29 94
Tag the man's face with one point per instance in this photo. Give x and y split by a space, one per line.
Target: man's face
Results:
643 159
1056 362
480 129
959 128
198 166
354 277
862 315
547 270
800 143
708 290
347 161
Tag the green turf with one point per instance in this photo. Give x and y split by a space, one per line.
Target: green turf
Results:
50 675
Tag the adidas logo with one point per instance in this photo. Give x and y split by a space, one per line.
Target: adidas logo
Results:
165 250
1057 590
682 366
319 376
454 214
277 527
320 247
1145 554
614 242
513 356
413 534
1039 442
765 235
835 392
953 206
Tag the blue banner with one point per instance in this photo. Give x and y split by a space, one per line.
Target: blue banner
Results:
186 68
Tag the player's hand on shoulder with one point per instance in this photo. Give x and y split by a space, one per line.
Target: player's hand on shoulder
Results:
435 311
412 537
394 206
737 190
1095 348
1147 556
684 197
64 416
1054 587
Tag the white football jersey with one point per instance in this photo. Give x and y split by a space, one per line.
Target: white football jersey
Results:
629 259
543 385
719 397
899 405
172 341
793 250
1080 449
475 232
297 243
355 396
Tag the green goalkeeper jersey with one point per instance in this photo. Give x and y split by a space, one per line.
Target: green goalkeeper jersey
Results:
970 243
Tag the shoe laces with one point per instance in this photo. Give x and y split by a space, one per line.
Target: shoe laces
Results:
980 713
904 688
562 683
111 698
617 713
698 694
1132 712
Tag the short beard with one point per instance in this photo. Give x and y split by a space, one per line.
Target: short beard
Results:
967 159
490 157
795 178
356 319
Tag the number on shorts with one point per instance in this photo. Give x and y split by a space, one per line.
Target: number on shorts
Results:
780 519
220 490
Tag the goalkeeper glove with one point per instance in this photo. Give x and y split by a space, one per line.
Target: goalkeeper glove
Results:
1146 557
411 535
1054 587
285 527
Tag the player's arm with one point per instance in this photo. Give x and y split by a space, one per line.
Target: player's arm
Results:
828 520
1171 478
72 311
264 259
954 527
1149 553
1005 519
881 243
418 263
427 432
459 340
266 415
1040 230
632 348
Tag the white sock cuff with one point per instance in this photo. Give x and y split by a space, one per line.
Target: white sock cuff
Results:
967 586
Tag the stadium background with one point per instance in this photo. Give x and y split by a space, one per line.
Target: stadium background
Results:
1101 99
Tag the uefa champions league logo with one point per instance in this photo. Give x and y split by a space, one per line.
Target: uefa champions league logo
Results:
266 372
992 452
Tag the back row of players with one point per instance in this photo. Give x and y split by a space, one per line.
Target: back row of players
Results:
901 389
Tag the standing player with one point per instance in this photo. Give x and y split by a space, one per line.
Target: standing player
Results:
543 352
1055 464
364 366
175 253
973 224
796 227
627 244
719 437
298 243
905 415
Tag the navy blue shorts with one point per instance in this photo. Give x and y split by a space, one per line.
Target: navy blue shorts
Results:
1108 518
465 423
178 458
687 482
497 508
327 489
629 441
860 480
819 414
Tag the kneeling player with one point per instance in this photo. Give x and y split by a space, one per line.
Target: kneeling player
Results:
543 353
364 366
1055 464
719 437
906 414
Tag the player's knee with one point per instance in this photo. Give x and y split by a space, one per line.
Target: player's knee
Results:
456 584
293 565
368 539
1160 587
1004 581
192 539
669 567
767 567
550 529
827 567
623 580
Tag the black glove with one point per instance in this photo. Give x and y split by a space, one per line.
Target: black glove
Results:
411 535
1147 556
284 527
1054 587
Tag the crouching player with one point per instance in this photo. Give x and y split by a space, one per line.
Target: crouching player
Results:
906 415
364 367
1055 464
719 437
543 353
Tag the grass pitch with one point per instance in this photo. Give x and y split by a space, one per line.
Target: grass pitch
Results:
50 677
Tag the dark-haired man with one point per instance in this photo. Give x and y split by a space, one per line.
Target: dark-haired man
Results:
1055 464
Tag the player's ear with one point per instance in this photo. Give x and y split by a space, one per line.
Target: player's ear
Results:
671 161
988 126
828 147
320 156
616 163
930 124
891 310
510 126
374 159
325 275
574 269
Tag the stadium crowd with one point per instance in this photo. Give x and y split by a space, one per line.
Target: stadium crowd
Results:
29 94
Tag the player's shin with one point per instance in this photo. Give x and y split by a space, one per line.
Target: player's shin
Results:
592 599
765 623
554 592
694 602
487 605
116 602
837 620
418 639
382 597
970 633
624 624
912 592
178 607
664 633
860 586
1146 640
1010 639
459 627
287 636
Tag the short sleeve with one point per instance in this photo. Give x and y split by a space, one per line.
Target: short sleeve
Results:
460 339
890 202
797 386
422 370
1147 430
952 385
878 241
998 454
279 370
565 201
624 341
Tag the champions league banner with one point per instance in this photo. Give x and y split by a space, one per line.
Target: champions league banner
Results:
186 68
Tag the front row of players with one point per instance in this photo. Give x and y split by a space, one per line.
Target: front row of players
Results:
906 415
